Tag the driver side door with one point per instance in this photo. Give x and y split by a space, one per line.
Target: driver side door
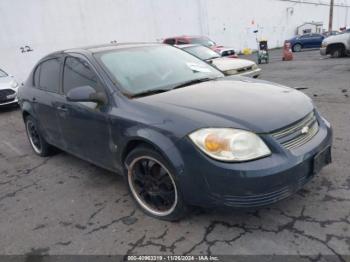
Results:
85 125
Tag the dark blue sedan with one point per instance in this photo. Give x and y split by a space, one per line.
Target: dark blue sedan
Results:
180 132
306 41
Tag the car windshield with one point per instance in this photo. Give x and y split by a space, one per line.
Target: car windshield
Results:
202 52
144 69
203 41
3 73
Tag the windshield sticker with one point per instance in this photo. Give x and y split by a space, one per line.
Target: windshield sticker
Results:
198 68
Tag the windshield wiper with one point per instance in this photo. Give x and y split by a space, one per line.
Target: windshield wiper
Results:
149 92
183 84
193 81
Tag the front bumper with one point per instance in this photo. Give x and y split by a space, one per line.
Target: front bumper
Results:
323 50
210 183
9 101
254 73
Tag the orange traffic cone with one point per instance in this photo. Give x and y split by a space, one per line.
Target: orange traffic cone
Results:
287 52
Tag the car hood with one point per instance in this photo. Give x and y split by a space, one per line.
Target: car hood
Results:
336 38
293 39
5 82
237 102
225 64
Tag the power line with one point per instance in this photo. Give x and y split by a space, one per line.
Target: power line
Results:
314 3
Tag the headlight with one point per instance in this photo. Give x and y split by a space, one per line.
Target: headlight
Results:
13 84
231 72
228 144
254 67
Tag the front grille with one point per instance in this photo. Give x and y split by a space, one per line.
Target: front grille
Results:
245 69
264 198
4 93
299 133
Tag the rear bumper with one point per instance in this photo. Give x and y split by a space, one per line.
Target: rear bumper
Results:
210 183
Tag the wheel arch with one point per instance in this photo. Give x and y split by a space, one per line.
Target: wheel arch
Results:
297 43
156 141
27 110
331 46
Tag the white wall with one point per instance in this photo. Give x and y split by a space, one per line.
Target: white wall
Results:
49 25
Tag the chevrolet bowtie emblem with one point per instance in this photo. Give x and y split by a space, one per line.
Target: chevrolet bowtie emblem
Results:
305 130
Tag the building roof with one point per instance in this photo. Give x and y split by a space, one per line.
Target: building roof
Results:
311 23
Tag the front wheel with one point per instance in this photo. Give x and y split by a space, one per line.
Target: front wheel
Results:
153 185
337 52
297 48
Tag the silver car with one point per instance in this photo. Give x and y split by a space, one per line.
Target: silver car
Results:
229 66
8 89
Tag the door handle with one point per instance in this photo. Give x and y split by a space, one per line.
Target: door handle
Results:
34 100
62 108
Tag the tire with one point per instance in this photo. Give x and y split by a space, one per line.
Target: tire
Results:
153 185
37 142
337 52
297 48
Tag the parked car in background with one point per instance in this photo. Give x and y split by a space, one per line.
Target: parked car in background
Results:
8 89
228 66
180 132
326 34
306 41
201 40
336 45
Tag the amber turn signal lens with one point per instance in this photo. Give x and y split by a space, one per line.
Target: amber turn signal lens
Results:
213 143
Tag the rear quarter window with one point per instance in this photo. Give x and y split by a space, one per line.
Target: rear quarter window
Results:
36 76
49 77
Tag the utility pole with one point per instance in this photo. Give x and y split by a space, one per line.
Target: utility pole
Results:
330 24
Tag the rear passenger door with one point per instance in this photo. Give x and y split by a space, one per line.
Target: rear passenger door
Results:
45 96
85 125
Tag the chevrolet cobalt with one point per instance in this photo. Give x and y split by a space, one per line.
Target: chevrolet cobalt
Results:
180 132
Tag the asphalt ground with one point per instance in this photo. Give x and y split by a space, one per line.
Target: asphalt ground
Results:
63 205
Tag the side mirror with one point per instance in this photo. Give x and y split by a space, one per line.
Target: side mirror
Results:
86 94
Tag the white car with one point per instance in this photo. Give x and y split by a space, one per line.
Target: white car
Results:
8 89
229 66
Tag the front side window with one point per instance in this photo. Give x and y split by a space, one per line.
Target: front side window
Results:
76 73
141 69
203 41
202 52
3 73
305 36
50 75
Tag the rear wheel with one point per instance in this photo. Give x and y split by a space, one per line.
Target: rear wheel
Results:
39 145
153 186
297 48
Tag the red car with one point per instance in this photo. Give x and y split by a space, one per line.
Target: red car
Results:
200 40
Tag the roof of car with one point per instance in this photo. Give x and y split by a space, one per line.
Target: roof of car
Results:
186 36
108 47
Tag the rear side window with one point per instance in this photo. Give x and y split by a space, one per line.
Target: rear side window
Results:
36 76
170 41
77 72
49 78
